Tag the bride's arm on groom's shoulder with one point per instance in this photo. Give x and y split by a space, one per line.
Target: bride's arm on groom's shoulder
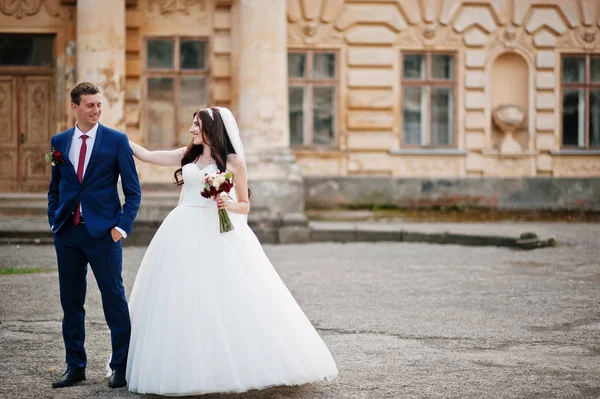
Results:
237 167
162 157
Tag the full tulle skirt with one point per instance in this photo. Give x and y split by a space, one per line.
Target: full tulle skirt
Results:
209 314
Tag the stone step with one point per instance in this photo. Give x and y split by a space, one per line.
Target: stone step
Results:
293 230
154 205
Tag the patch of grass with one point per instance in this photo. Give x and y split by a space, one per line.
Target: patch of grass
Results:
23 270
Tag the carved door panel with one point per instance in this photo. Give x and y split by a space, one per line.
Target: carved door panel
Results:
36 121
9 155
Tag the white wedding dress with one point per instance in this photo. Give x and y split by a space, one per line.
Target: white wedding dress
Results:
209 312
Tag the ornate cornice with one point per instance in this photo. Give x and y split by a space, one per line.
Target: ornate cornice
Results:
169 7
22 8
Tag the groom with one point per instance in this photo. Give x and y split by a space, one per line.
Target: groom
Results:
86 217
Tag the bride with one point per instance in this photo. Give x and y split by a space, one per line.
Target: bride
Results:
208 311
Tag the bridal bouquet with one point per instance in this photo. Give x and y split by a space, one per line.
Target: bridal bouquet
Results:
219 184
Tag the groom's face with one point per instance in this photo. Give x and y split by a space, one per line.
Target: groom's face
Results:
89 109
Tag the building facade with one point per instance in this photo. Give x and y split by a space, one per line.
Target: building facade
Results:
321 88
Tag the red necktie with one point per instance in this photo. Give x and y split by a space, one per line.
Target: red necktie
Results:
80 166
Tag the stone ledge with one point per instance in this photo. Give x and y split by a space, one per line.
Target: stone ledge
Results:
38 234
429 151
526 241
368 192
575 152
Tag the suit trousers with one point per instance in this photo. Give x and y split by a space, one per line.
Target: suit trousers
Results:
75 249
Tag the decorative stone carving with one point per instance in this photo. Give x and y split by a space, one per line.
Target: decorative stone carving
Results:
168 7
584 38
21 8
513 38
510 34
429 32
313 32
430 36
589 36
509 118
310 29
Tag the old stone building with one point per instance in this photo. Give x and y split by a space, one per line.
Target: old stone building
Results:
322 89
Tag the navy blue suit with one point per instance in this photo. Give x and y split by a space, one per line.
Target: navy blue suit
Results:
91 241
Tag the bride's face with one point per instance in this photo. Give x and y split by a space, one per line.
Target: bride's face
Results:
196 131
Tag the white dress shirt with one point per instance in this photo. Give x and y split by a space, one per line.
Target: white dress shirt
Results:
76 142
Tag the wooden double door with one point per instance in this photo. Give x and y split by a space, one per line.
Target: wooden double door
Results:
27 122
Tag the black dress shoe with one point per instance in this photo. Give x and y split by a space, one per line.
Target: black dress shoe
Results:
117 379
70 377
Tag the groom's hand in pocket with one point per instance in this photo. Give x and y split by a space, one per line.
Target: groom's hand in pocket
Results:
116 235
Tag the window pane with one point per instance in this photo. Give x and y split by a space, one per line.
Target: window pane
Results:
595 69
160 54
323 66
296 99
414 115
573 69
414 66
161 112
442 116
574 117
296 65
192 96
27 50
323 115
594 118
192 54
442 66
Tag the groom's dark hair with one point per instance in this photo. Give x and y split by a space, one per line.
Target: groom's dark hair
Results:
83 88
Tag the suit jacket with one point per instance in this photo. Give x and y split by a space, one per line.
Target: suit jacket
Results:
111 156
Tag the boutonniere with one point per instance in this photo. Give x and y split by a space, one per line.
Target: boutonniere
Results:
55 156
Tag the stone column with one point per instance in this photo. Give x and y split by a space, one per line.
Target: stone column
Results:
262 74
101 54
259 63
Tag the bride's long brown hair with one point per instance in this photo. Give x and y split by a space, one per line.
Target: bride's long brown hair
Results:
213 131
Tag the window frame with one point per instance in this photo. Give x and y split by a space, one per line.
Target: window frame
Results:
307 83
587 85
176 73
428 83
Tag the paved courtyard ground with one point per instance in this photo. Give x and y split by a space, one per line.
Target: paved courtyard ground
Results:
402 320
